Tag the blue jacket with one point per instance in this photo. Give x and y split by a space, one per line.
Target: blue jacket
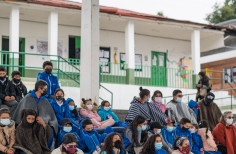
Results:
72 115
197 141
51 80
181 132
32 93
168 137
61 134
61 112
103 114
162 151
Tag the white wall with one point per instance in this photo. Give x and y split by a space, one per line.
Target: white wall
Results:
213 42
217 57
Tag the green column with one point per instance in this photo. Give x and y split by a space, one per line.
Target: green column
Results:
130 79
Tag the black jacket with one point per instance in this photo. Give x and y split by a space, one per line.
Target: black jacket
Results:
20 90
9 91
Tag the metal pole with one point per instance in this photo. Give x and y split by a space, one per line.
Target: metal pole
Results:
231 99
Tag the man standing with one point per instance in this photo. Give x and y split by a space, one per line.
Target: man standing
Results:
178 110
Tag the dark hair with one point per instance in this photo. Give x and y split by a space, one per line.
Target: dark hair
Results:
3 69
204 124
195 125
179 139
133 126
86 122
104 102
4 110
108 144
15 73
183 121
143 92
59 89
47 63
176 91
202 74
149 146
155 93
86 100
69 138
40 84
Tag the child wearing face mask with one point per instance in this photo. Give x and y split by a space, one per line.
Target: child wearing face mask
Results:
67 127
183 129
32 134
155 128
154 145
181 146
136 134
7 126
197 140
113 145
105 112
207 138
60 106
168 133
88 111
157 101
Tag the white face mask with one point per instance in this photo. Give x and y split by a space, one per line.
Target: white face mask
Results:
89 107
230 121
158 131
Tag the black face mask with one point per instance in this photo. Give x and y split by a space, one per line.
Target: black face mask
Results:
16 80
2 77
48 71
118 144
44 93
207 102
59 98
185 129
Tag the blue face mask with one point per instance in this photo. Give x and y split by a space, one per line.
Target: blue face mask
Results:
67 129
192 130
148 99
139 129
158 146
106 108
144 127
179 100
5 121
71 108
170 128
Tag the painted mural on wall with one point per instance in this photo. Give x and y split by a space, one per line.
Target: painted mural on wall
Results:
182 72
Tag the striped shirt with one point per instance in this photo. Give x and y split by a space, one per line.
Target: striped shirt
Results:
148 110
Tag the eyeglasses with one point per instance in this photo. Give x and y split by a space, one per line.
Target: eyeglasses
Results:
71 146
230 117
180 96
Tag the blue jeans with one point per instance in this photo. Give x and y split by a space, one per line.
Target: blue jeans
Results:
212 152
196 152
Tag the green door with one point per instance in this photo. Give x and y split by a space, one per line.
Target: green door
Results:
158 69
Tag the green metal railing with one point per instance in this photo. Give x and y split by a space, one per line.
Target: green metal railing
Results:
146 75
224 103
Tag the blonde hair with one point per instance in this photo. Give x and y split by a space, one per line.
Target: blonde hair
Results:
84 106
222 118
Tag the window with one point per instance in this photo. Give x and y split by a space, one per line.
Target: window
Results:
230 74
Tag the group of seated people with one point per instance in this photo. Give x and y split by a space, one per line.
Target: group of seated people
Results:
43 121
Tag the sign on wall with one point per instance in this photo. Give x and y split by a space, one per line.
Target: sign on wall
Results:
138 61
104 59
42 47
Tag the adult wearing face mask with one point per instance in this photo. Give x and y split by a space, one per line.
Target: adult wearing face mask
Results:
60 106
209 110
32 134
113 144
224 134
51 79
157 100
178 110
37 101
136 134
68 146
66 128
141 106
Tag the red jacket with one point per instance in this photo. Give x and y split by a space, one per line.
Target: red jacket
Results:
226 136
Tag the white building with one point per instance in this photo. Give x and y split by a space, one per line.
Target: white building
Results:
167 51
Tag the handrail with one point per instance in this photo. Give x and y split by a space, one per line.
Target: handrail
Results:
69 76
109 92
